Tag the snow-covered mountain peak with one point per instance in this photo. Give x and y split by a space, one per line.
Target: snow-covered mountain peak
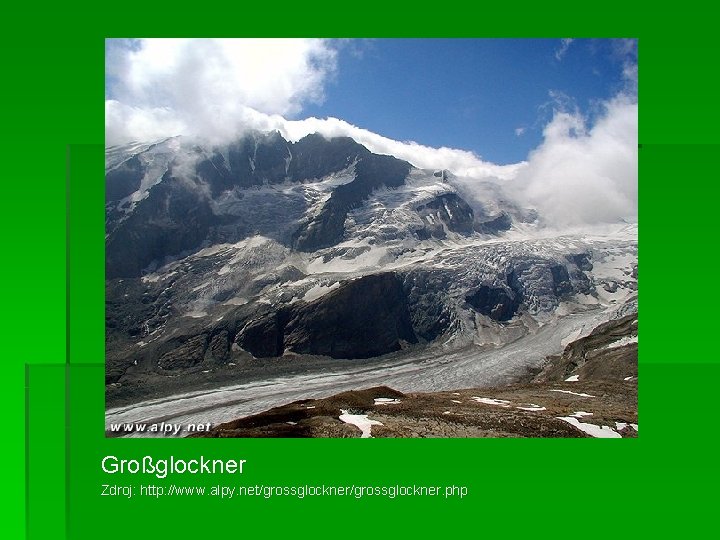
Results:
264 247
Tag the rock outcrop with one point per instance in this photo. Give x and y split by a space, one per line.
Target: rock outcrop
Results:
365 317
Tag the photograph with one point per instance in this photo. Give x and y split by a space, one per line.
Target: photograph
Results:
371 238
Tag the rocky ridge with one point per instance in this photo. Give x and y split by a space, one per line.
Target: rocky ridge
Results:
239 262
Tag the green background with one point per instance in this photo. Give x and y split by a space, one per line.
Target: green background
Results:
662 483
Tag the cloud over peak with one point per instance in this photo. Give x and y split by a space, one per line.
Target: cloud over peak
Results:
205 86
582 174
583 171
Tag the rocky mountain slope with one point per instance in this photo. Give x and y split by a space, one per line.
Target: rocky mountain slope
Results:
262 259
588 391
540 410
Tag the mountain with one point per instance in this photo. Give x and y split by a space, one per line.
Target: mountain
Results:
237 263
590 390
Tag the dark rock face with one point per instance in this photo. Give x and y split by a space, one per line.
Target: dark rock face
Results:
267 158
219 346
174 219
281 275
128 307
124 179
501 223
188 354
180 212
591 357
550 283
562 287
314 156
256 159
426 293
367 317
265 337
371 172
581 260
500 304
324 230
449 210
364 318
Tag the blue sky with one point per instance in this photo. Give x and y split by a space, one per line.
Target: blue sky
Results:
490 96
555 118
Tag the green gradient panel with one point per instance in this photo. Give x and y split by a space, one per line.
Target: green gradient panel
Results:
676 286
45 451
378 18
516 487
14 470
33 266
34 254
678 93
662 484
86 279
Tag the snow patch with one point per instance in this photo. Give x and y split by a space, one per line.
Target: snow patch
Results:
580 414
386 401
532 407
236 301
319 291
491 401
374 258
195 314
154 278
573 393
361 421
602 432
627 340
573 378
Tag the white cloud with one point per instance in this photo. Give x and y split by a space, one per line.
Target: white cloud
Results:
585 175
519 132
124 123
216 89
205 86
461 162
562 50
